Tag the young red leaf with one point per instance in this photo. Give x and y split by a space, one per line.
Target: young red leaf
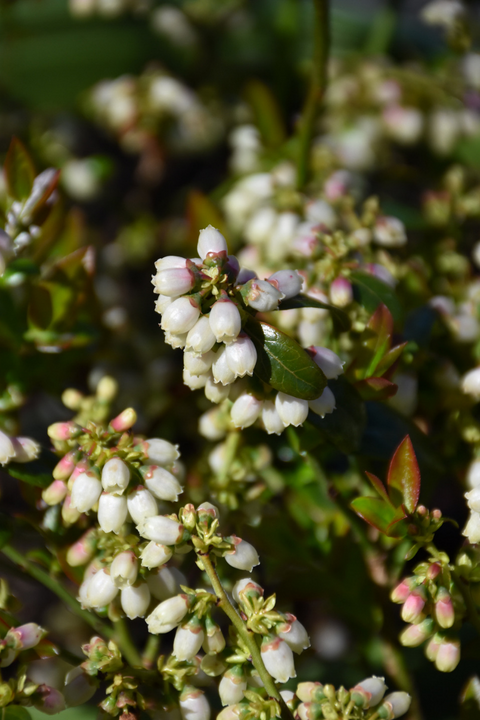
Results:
376 388
375 512
19 171
389 359
404 476
379 486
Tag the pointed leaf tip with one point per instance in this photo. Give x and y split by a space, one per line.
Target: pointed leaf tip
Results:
404 476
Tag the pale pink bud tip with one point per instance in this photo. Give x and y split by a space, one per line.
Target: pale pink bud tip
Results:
124 421
412 608
63 430
401 592
287 282
341 292
448 656
444 610
55 492
26 636
64 468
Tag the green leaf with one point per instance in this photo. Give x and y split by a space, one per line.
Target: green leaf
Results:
381 515
375 341
379 487
339 316
343 427
283 364
15 712
19 171
267 114
404 476
376 388
372 292
37 473
40 310
389 359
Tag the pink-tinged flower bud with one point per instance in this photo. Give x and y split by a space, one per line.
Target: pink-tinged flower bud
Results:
188 639
101 589
412 608
246 587
292 410
470 384
341 292
221 370
180 316
82 551
161 529
194 382
309 711
211 240
154 555
431 650
310 691
399 702
135 600
161 483
369 692
244 557
472 528
389 232
165 582
64 468
287 282
225 321
337 184
124 569
55 492
160 452
64 430
193 704
115 476
141 504
7 450
401 592
444 610
173 282
70 514
245 410
198 364
473 499
261 295
448 656
112 512
26 449
415 635
79 687
124 421
170 261
215 391
25 636
324 404
86 492
72 398
51 701
200 338
241 356
167 615
328 361
278 659
272 421
434 570
294 634
232 686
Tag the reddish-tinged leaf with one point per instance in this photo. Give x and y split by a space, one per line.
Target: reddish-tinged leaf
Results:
19 171
400 514
46 649
379 486
404 476
379 514
389 359
376 388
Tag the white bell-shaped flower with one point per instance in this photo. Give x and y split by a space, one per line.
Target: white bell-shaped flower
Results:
211 240
161 452
135 600
112 512
154 555
225 321
115 476
200 338
167 615
292 410
161 529
101 589
85 492
278 659
180 316
124 569
244 557
241 356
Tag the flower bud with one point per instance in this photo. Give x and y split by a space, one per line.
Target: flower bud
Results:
124 421
470 384
309 711
241 356
79 687
246 587
272 421
221 370
232 686
72 399
245 410
472 528
287 282
180 316
82 551
141 504
200 338
112 512
214 641
244 557
324 404
328 361
160 452
261 295
174 282
70 514
25 636
165 582
170 261
167 615
292 410
161 529
135 600
399 701
225 321
210 240
26 449
64 468
212 425
414 635
341 292
161 483
154 555
389 232
444 610
188 639
124 569
215 391
115 476
294 634
448 656
62 430
412 608
107 389
193 703
101 589
431 650
51 701
55 492
400 593
278 659
85 492
369 692
310 691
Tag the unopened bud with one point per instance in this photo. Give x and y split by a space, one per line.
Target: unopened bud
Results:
124 569
448 656
188 639
72 399
413 608
243 557
369 692
25 637
214 641
294 634
310 692
174 282
82 551
86 492
246 588
160 452
154 555
63 430
55 492
278 659
211 240
65 467
415 635
26 449
141 504
124 421
341 292
161 483
401 592
399 703
232 686
168 615
161 529
444 610
107 389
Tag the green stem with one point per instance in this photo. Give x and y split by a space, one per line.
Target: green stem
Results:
318 83
151 651
231 447
247 636
125 643
382 29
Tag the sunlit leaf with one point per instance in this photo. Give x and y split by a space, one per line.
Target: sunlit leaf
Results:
389 359
379 514
372 292
339 316
379 487
404 476
19 171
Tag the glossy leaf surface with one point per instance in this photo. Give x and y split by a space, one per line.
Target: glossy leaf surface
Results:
404 476
19 171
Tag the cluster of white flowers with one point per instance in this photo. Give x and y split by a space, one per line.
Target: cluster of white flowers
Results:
200 301
17 449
